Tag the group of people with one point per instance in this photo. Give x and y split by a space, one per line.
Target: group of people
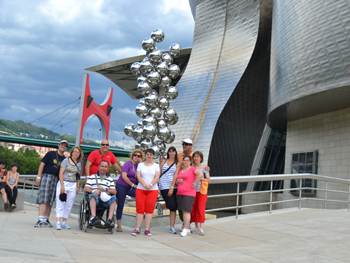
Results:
181 179
8 185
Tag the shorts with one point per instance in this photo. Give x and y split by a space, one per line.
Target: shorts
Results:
184 203
47 189
100 203
3 185
170 201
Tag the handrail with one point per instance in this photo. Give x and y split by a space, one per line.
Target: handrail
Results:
244 179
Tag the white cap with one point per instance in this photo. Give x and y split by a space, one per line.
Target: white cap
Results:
105 197
188 140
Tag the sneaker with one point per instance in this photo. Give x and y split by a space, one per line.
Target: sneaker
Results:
195 231
6 205
94 221
58 226
64 225
159 209
47 223
135 232
172 230
201 232
108 223
147 232
184 232
39 224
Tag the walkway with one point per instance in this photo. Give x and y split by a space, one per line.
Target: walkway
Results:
291 235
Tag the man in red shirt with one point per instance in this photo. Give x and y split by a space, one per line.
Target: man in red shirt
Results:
95 157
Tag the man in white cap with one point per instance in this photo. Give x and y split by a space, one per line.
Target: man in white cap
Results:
47 180
187 150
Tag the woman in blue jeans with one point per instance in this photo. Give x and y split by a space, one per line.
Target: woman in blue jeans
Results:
127 183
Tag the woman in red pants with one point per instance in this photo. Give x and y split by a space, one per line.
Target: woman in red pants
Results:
198 208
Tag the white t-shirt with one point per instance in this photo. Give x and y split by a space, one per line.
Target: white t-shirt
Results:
147 174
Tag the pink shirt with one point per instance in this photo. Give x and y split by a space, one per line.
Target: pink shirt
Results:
189 177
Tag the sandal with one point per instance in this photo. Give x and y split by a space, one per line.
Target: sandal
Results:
119 229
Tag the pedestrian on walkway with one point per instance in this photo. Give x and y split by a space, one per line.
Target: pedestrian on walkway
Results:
69 181
11 185
3 174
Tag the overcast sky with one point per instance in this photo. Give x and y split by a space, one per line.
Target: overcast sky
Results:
46 44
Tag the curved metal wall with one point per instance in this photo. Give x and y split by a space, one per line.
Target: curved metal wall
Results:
310 59
222 98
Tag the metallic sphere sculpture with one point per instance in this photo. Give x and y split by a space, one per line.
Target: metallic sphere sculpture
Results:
155 73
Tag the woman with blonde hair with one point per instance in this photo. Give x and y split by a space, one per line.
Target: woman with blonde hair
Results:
127 183
69 180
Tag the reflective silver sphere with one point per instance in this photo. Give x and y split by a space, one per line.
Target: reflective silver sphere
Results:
141 79
152 91
170 113
171 138
143 88
153 78
163 103
141 110
161 123
142 101
137 133
138 146
155 148
161 145
164 133
155 56
157 35
167 59
175 50
135 68
151 99
128 129
149 131
165 82
146 143
149 120
172 121
162 68
146 67
171 93
155 112
140 123
148 44
173 71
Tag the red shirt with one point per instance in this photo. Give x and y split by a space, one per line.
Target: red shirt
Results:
96 157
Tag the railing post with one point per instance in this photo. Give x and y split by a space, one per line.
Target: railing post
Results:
237 200
300 183
31 196
271 187
325 196
349 198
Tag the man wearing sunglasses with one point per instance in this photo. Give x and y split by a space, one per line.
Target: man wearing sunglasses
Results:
95 158
47 180
187 150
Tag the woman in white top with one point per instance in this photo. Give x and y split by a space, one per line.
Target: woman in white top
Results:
168 191
146 192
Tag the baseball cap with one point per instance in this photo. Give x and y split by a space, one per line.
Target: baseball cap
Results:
64 141
188 140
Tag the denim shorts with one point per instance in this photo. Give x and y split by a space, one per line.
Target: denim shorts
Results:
100 203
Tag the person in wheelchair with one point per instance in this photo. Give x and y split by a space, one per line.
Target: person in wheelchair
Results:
101 190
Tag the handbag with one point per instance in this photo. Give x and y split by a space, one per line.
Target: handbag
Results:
204 187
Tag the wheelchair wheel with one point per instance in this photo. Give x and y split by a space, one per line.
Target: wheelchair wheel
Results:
110 230
85 226
81 215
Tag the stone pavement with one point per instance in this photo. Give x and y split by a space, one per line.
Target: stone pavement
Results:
289 235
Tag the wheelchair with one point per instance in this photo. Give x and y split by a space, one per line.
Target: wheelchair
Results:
85 214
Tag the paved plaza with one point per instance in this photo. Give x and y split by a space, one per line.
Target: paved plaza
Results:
290 235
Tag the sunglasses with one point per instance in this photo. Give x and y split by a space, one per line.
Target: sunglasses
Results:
185 144
137 155
65 145
104 144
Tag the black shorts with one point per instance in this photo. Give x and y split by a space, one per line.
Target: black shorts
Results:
3 185
185 202
170 201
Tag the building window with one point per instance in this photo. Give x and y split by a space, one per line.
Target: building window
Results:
304 162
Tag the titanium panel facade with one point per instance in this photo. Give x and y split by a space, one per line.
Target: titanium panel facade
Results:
310 59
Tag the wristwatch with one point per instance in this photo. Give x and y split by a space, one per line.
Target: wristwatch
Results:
151 184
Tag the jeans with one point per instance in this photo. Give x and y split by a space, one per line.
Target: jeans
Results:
122 191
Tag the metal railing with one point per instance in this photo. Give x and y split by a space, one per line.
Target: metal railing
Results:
28 186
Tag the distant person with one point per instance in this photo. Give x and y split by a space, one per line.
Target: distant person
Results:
101 190
3 174
146 192
198 208
167 186
187 180
127 183
69 180
11 187
103 154
47 180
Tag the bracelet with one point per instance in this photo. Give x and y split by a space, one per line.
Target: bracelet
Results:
132 185
62 183
38 177
171 187
151 184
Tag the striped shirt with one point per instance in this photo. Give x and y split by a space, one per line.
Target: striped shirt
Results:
107 182
166 180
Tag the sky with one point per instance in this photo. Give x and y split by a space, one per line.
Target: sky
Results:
45 45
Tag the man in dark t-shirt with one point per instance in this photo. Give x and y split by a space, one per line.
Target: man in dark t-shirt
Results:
47 180
3 174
